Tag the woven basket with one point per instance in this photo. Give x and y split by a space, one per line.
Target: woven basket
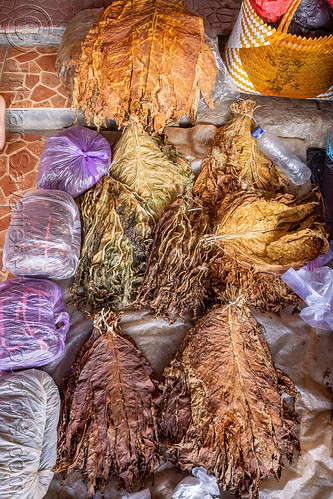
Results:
267 61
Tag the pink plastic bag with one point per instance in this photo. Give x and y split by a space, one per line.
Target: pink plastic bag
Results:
33 323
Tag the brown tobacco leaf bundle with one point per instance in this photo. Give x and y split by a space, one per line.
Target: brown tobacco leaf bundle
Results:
222 405
144 60
107 423
176 278
235 162
119 216
268 232
265 292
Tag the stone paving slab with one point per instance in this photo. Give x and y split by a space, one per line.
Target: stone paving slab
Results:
22 17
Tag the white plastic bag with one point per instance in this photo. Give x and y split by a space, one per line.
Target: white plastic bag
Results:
29 413
314 284
44 236
200 486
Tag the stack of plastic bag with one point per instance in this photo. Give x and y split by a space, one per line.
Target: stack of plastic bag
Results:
29 413
44 236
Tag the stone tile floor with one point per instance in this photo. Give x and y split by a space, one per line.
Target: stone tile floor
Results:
219 15
29 78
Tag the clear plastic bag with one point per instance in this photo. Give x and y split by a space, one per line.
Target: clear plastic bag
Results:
224 89
44 236
33 323
74 160
314 284
29 413
200 486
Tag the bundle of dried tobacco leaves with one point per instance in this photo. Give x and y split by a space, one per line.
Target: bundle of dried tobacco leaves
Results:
107 423
222 405
146 61
119 216
268 232
176 278
235 162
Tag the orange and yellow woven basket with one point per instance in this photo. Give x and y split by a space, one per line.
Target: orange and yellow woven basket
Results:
268 61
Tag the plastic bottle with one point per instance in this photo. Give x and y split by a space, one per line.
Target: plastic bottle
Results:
272 147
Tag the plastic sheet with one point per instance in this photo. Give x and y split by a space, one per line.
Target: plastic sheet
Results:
33 323
296 350
315 287
224 89
29 413
74 160
44 236
200 486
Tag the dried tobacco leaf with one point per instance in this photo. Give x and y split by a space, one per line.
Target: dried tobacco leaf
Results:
265 292
222 405
235 162
268 232
107 423
119 217
117 234
144 61
156 175
176 278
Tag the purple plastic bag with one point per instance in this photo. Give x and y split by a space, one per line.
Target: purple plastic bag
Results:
33 323
74 160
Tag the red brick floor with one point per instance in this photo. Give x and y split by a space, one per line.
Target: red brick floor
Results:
219 15
19 163
29 78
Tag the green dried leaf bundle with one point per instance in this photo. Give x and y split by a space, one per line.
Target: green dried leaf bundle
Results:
176 278
117 233
222 405
107 423
156 173
119 216
144 61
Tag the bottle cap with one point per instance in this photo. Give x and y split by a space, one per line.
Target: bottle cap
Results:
257 132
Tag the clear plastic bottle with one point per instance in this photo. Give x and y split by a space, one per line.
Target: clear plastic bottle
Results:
272 147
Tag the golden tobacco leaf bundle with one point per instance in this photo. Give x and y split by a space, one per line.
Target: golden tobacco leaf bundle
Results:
145 61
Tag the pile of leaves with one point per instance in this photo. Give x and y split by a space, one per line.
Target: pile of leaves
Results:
222 405
108 422
242 226
119 215
145 61
269 232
